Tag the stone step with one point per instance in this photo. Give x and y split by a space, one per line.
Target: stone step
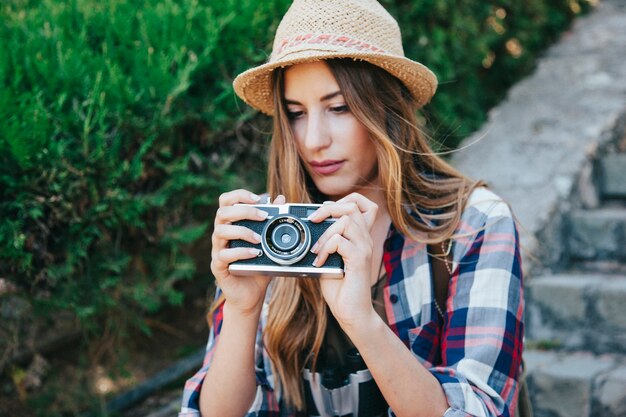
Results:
576 384
577 311
597 234
612 172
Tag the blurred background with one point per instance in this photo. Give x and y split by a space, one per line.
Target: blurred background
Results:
118 130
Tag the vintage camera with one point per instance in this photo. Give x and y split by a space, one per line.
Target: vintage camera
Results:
286 241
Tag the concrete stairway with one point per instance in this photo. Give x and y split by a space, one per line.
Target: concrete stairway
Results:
576 317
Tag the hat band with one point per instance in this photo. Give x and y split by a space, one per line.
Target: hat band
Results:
313 39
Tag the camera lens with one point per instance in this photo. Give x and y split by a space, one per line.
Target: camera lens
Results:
285 239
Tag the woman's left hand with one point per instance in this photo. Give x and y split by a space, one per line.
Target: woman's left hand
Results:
350 236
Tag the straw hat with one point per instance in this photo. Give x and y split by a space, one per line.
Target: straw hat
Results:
314 30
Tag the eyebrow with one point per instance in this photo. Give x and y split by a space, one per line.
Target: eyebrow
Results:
324 98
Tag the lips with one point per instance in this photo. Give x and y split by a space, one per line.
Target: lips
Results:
326 167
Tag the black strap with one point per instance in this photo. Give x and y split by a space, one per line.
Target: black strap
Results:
440 274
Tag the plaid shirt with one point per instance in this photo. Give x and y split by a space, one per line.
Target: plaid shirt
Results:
475 354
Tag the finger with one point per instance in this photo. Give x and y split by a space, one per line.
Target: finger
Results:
230 255
336 244
220 260
238 196
229 214
223 233
365 205
353 228
280 199
335 210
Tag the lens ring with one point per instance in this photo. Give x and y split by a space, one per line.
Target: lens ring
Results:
285 237
286 253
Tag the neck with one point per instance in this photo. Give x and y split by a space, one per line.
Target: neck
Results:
378 197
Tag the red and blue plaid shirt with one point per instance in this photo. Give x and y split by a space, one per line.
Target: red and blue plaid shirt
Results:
475 354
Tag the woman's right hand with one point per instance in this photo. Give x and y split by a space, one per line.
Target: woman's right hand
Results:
243 293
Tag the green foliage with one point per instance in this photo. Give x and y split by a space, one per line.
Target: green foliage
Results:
119 128
116 137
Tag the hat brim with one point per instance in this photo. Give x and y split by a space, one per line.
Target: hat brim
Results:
254 86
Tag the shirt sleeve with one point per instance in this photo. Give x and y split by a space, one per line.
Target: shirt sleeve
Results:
264 405
482 335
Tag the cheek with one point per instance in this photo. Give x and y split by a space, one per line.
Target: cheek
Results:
371 159
362 140
349 127
367 149
297 129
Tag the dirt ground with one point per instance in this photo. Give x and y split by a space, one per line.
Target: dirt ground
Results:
82 375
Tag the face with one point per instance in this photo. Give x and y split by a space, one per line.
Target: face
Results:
335 147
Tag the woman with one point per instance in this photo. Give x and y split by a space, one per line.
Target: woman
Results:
343 98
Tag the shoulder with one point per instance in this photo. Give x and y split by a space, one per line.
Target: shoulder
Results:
484 202
488 222
483 209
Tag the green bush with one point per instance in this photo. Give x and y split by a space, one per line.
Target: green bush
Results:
118 131
119 128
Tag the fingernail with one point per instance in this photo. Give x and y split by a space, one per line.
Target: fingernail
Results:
262 214
315 261
257 237
255 252
315 247
255 197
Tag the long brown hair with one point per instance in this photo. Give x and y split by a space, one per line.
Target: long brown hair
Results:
425 198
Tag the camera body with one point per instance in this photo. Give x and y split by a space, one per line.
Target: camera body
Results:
287 237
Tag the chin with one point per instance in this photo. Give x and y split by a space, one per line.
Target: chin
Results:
335 191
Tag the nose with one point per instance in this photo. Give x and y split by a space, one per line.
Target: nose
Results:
317 135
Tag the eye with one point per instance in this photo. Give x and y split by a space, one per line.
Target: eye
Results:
294 114
340 109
